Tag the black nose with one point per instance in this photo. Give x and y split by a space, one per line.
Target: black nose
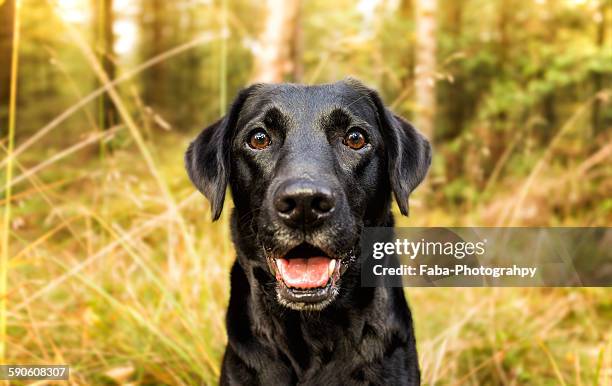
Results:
303 203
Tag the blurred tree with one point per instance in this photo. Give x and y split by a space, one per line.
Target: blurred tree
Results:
457 86
297 46
7 13
274 58
598 76
154 20
406 15
104 38
425 71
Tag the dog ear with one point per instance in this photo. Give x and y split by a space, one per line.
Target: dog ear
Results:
408 153
207 158
409 160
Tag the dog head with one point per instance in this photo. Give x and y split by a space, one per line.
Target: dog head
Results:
308 168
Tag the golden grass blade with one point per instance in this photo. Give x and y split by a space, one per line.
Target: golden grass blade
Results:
44 237
33 191
223 65
9 175
553 363
598 367
577 370
493 358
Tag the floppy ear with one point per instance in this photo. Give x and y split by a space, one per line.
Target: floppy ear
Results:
408 153
207 159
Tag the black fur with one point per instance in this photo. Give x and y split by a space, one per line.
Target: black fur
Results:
355 335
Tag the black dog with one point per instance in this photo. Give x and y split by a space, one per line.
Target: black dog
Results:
308 168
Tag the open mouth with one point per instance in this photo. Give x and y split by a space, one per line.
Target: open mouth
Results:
306 277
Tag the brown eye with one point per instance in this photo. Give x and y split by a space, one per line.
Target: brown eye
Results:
355 139
259 140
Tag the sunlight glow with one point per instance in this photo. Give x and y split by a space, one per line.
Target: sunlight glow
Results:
125 28
367 7
73 11
577 2
125 36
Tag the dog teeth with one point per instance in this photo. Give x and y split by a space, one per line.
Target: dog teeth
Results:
279 269
331 267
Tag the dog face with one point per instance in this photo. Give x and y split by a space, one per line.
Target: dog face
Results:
308 168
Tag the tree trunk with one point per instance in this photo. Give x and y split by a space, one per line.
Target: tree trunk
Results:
550 115
7 19
297 46
104 43
425 69
275 57
406 11
457 87
154 80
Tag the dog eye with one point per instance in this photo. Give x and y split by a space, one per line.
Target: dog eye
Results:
259 140
355 139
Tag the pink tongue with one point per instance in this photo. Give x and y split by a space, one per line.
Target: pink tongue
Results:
304 273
